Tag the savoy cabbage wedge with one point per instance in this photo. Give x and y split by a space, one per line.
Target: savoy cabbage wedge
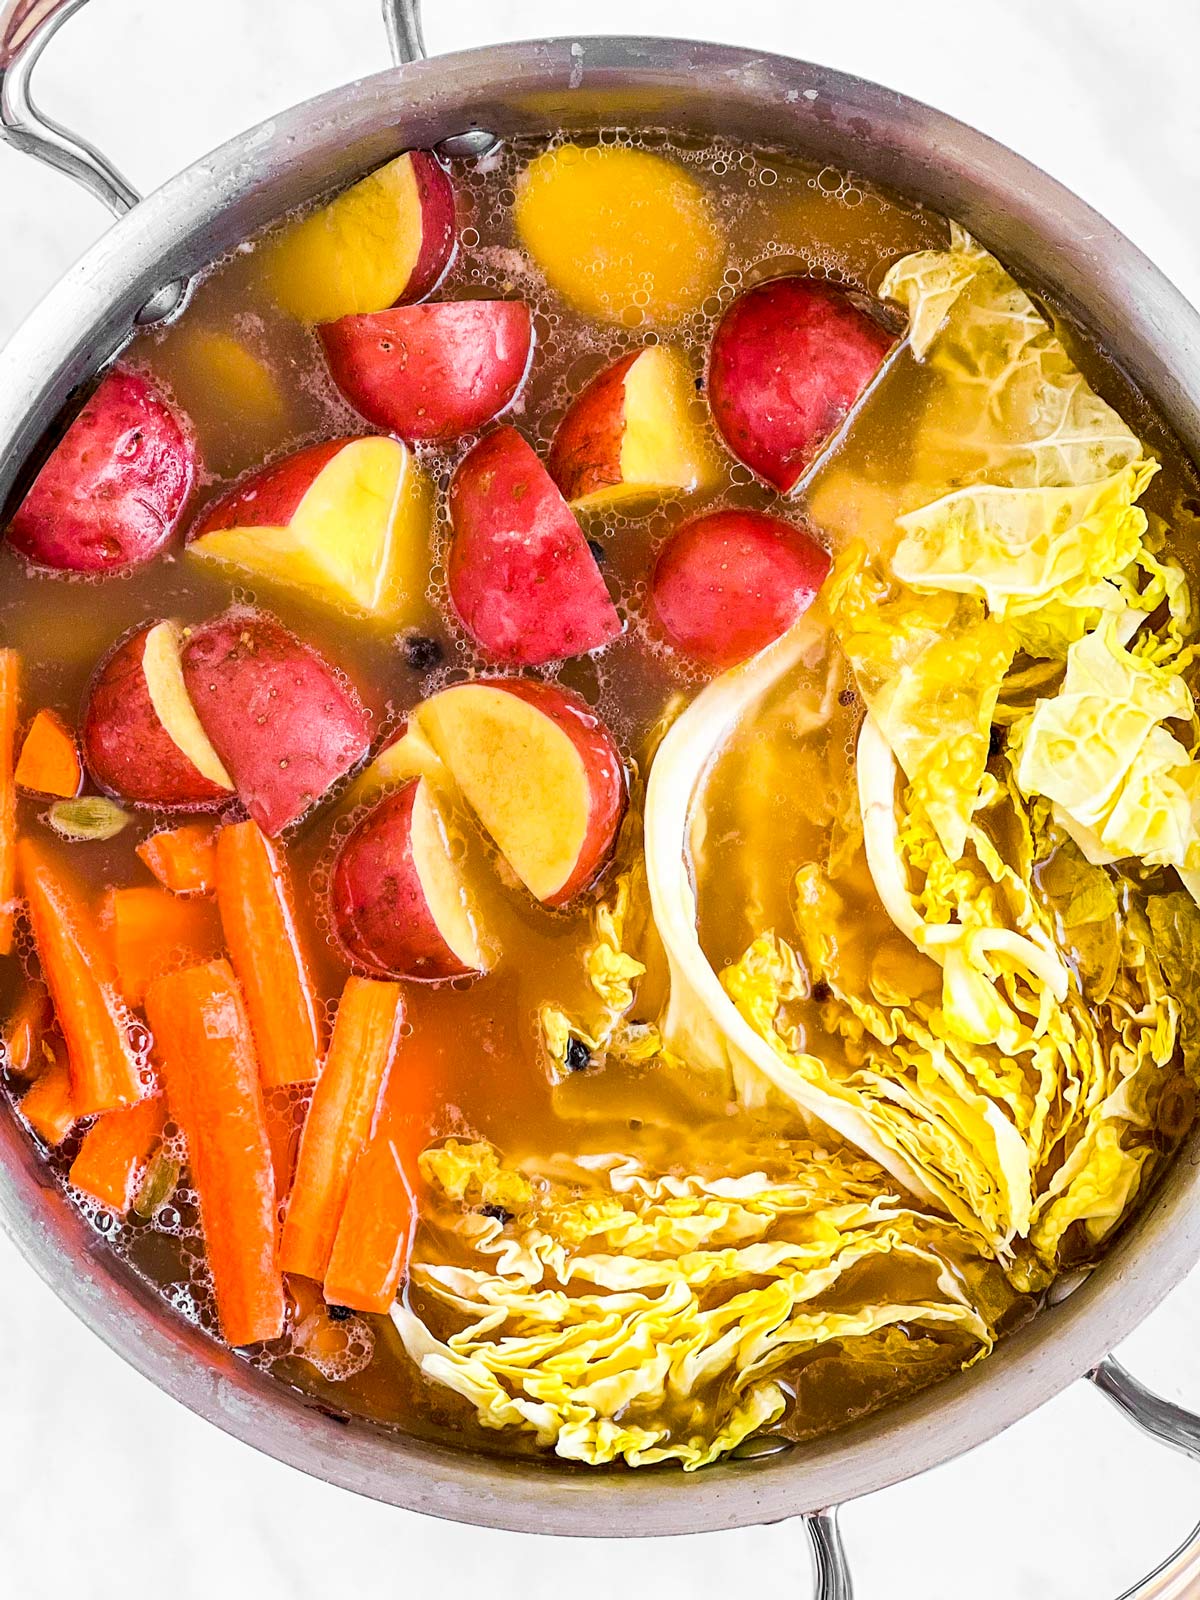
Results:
616 1312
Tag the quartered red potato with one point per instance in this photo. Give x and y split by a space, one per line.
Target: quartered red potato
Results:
596 756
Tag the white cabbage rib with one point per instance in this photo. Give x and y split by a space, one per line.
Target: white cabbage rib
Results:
702 1025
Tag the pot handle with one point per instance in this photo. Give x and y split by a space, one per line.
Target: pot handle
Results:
1175 1578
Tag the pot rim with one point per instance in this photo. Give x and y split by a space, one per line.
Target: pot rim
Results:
1049 236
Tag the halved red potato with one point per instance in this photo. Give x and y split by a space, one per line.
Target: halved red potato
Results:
387 238
140 735
348 520
285 722
432 371
541 772
520 573
401 906
113 491
726 584
632 433
788 360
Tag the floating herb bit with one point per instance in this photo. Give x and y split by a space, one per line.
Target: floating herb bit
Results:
157 1185
579 1057
93 817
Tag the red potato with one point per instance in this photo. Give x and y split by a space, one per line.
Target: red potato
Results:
726 584
113 491
432 371
347 521
632 433
541 772
140 736
788 360
400 906
284 721
520 573
388 238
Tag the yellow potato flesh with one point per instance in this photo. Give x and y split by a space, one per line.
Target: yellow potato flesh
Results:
436 860
663 444
216 362
622 234
409 756
520 774
172 704
356 254
359 537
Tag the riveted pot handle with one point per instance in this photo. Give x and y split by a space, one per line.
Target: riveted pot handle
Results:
831 1569
26 28
1176 1577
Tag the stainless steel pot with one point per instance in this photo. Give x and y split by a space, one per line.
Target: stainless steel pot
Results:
138 273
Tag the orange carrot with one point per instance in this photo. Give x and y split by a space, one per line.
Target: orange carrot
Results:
75 965
49 1107
207 1053
183 859
115 1149
264 945
150 931
49 760
24 1032
365 1037
9 674
370 1253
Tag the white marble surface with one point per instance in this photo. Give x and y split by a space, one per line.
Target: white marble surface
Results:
107 1489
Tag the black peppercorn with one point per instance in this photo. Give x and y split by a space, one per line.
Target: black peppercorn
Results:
421 652
498 1214
821 991
597 550
339 1313
579 1057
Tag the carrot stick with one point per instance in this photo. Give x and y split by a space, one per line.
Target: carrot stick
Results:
183 859
207 1054
365 1037
370 1253
75 965
150 931
9 674
115 1149
24 1031
264 945
49 1107
49 759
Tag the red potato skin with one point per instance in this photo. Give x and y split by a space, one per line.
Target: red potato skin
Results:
268 498
439 226
284 722
609 790
125 747
585 456
113 492
726 584
432 371
788 360
380 913
521 577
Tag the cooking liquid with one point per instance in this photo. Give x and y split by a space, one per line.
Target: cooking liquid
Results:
478 1065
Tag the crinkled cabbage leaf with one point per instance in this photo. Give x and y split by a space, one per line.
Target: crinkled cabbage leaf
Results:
618 1312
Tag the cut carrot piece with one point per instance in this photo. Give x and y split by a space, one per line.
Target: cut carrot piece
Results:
183 859
370 1253
264 945
78 973
115 1149
24 1032
365 1036
9 676
49 1107
151 931
49 760
207 1054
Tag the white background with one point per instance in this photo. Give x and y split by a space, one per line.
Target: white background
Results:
107 1489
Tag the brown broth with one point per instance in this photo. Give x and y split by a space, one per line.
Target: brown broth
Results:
478 1043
